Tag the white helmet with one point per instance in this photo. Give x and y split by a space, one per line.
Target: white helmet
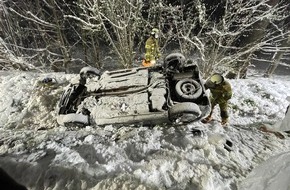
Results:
216 78
155 32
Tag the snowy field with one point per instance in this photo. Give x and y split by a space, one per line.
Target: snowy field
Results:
42 155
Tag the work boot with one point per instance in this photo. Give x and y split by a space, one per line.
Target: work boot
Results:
207 119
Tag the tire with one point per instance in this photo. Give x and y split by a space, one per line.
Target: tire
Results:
68 100
73 118
184 112
173 62
188 89
65 99
89 72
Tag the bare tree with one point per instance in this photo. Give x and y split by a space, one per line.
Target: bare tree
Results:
9 61
224 34
227 35
278 54
38 32
117 21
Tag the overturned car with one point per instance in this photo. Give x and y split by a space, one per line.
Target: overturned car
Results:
172 92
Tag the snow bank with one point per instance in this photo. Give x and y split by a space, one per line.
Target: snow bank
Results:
259 100
27 102
43 155
271 174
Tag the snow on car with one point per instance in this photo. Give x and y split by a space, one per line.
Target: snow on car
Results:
172 92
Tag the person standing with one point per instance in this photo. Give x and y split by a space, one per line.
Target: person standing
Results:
152 53
221 92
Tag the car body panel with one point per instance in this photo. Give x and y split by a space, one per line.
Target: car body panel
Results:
138 95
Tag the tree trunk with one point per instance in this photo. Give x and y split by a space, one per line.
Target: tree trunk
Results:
96 52
253 37
276 58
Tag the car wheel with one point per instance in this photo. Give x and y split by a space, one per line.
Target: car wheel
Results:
73 118
184 112
65 98
173 62
188 89
68 100
89 72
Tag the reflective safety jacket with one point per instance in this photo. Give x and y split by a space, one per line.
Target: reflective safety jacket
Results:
152 49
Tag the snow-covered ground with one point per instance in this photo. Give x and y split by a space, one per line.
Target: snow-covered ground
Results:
42 155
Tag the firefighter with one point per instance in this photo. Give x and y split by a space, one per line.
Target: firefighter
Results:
152 49
221 92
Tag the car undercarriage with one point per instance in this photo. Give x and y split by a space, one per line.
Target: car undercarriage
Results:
171 92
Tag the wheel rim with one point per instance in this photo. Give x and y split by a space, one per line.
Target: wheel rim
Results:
188 88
